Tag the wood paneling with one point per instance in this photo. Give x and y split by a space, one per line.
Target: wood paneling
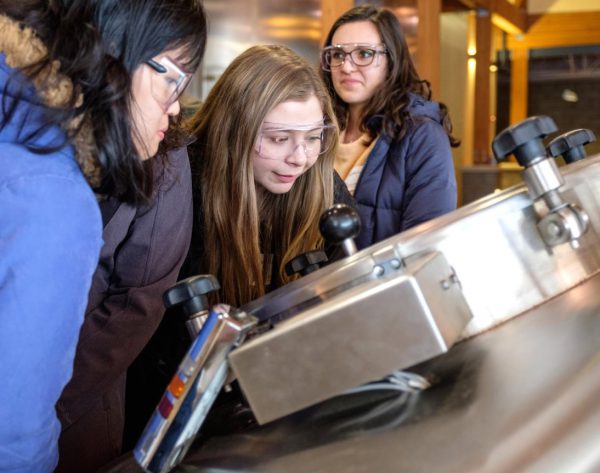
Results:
331 10
518 90
481 116
428 42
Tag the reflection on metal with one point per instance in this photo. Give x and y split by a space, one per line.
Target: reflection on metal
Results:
192 391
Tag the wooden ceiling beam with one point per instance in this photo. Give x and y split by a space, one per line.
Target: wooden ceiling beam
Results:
559 29
507 16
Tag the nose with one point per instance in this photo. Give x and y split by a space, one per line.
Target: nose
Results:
299 156
348 64
174 108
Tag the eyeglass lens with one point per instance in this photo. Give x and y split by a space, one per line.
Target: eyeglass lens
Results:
280 144
168 82
361 56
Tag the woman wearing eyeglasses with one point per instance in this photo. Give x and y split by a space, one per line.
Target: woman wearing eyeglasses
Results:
394 151
161 44
89 92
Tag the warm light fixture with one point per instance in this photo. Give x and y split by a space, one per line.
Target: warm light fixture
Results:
570 96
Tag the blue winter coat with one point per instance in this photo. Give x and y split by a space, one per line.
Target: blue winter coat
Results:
408 181
50 240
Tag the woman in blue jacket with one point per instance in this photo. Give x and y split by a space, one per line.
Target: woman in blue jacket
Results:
79 115
394 152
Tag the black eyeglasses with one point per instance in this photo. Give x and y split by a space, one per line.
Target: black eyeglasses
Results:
361 55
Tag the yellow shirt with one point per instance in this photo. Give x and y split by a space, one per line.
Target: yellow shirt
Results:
351 158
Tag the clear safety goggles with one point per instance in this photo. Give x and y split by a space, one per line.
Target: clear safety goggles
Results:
360 54
278 141
168 82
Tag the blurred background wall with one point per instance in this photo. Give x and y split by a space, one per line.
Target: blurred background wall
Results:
492 62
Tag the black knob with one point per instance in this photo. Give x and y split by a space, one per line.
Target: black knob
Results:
339 223
191 293
306 263
524 140
570 145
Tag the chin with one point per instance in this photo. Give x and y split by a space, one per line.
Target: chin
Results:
280 189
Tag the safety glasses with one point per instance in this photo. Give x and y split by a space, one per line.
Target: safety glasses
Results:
168 82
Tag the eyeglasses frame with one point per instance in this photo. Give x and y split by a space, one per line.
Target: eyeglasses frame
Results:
357 46
161 69
324 127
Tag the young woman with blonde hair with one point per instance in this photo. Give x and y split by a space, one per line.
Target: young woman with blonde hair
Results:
262 170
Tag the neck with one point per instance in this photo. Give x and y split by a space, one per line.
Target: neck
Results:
353 131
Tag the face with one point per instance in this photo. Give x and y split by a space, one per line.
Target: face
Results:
150 113
357 84
276 171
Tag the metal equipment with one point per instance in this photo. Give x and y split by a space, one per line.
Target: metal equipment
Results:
403 303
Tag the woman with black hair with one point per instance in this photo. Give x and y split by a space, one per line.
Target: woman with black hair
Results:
394 152
88 93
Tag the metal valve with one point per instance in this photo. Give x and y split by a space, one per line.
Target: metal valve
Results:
191 294
564 222
340 224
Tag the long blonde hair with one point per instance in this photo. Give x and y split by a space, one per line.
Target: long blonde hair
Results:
235 231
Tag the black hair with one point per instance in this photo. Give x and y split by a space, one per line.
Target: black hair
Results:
99 44
392 100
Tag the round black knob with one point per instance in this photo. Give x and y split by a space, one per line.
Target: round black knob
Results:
306 263
339 223
524 140
570 145
191 293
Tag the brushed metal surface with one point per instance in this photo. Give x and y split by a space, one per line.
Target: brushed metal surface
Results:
353 337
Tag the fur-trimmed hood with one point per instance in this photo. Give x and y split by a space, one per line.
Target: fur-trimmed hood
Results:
21 47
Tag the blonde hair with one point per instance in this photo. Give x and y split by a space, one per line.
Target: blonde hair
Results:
236 231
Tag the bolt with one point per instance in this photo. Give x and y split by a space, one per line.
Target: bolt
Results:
553 229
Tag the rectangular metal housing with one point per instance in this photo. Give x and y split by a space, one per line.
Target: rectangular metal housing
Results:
353 337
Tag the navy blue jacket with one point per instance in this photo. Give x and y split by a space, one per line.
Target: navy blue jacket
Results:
408 181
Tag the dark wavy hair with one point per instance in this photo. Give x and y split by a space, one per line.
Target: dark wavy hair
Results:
392 100
99 44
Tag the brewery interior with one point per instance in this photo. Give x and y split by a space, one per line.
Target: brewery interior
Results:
492 62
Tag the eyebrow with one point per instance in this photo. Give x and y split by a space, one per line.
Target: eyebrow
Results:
294 126
292 130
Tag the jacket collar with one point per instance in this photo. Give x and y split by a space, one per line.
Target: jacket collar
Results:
22 48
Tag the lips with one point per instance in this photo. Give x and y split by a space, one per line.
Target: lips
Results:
284 178
350 81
